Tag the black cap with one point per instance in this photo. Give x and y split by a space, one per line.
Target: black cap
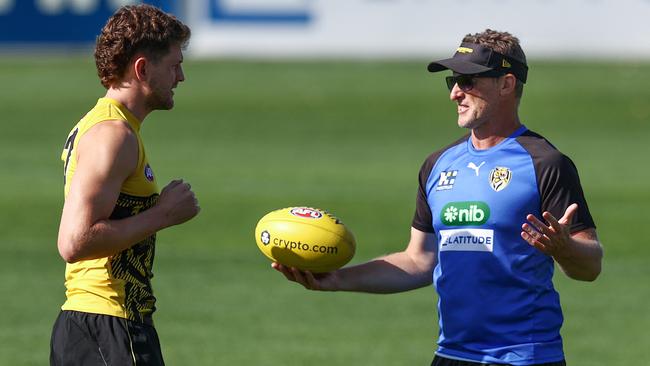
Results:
473 58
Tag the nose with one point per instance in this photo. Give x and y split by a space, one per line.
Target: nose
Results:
180 76
456 93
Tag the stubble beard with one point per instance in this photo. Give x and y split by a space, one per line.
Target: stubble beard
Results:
470 124
157 101
474 118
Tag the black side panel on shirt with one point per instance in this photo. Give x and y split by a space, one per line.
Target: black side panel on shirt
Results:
422 219
134 265
557 180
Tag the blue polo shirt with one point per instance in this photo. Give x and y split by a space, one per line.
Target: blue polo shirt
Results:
497 303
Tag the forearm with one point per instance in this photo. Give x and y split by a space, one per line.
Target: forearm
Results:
396 272
582 258
108 237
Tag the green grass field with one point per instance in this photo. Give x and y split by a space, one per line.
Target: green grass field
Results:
345 136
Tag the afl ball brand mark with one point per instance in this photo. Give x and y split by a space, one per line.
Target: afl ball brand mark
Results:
148 173
265 238
306 212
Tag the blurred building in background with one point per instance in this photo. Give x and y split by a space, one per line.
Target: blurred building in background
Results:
350 28
55 23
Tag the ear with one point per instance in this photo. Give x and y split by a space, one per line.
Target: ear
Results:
509 83
140 67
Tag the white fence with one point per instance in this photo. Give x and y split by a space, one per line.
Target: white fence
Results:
399 28
353 28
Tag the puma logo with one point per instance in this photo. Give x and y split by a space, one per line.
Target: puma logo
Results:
473 166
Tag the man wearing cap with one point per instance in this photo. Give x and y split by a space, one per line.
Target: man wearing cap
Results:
494 211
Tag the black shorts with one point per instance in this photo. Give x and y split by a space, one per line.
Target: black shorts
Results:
92 339
442 361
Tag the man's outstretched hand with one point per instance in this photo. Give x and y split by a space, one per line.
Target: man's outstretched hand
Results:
552 238
311 281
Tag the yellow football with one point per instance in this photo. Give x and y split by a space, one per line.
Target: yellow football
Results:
305 238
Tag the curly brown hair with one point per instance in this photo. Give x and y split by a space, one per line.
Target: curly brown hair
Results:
504 43
134 29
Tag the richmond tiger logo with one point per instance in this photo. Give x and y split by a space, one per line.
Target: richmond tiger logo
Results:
500 178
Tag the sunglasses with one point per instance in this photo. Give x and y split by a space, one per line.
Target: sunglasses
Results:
466 82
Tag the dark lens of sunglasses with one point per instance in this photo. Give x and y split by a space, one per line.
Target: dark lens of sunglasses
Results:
465 82
451 81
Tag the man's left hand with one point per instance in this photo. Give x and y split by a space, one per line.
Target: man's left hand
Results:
553 238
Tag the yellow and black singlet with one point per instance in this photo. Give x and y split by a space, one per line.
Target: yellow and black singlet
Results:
119 285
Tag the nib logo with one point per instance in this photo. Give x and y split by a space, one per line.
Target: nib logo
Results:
465 213
450 214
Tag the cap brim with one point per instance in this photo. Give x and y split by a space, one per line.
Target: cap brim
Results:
458 66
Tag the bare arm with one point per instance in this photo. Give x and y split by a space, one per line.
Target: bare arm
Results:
396 272
579 254
582 259
106 155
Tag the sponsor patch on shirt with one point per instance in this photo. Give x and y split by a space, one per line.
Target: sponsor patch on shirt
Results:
474 213
473 240
447 180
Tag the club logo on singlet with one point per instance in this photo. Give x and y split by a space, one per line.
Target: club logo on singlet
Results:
148 173
500 178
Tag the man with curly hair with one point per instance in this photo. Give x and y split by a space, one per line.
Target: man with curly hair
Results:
477 233
113 207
